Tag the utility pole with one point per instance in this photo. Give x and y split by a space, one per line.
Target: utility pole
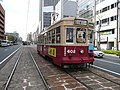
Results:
94 19
54 12
99 34
117 37
40 16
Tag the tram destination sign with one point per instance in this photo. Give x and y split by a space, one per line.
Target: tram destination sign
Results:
80 22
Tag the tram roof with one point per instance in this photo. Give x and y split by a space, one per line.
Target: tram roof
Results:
64 19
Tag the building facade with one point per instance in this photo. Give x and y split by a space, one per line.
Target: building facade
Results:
107 24
45 10
65 8
85 9
2 22
106 15
50 2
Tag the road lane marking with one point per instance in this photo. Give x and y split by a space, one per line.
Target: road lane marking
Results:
9 56
24 87
108 62
24 80
106 70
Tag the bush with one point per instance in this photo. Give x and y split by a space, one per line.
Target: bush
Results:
110 51
116 52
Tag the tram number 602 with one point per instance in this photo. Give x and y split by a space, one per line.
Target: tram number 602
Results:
70 51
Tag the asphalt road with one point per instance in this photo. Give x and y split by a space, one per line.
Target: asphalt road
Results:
109 62
5 51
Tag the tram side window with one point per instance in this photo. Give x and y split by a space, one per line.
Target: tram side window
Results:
90 36
81 35
39 39
58 35
69 35
49 37
53 36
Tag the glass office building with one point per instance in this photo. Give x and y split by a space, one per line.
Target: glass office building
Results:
50 2
45 11
85 9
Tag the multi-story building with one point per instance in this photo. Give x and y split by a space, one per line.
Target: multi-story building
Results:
85 9
106 19
29 37
45 11
2 22
50 2
107 24
65 8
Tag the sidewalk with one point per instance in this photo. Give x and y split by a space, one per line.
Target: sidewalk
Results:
111 55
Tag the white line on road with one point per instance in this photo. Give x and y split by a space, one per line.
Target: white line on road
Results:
24 80
9 56
24 87
106 70
108 62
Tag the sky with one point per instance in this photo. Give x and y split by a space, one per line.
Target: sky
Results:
17 17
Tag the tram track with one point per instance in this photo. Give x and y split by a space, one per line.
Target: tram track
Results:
40 73
12 73
107 78
74 79
16 74
93 81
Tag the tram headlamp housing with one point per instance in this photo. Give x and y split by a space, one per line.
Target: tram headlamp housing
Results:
81 51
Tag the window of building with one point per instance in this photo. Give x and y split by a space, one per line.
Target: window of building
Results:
97 22
113 18
108 7
97 12
81 35
115 4
102 0
106 20
69 35
104 9
100 11
112 6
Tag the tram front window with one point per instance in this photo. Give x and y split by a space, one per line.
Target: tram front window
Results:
69 35
81 35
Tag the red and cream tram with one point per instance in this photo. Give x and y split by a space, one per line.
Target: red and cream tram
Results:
68 42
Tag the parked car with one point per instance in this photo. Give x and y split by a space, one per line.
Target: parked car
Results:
98 53
4 43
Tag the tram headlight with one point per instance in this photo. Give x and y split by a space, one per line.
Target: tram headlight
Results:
81 51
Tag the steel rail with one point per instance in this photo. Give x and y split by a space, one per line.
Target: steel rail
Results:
40 73
12 72
89 88
104 77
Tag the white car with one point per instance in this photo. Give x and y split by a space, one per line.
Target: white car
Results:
98 53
